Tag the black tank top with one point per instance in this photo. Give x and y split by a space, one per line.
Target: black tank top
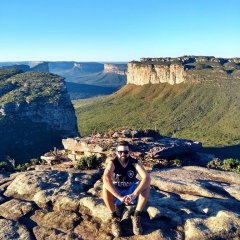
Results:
124 177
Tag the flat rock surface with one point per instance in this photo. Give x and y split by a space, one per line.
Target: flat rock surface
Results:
61 220
46 187
198 181
184 203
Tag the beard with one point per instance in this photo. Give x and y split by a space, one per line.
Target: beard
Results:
124 159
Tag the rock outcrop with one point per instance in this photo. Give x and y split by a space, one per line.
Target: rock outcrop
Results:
145 146
186 69
185 203
40 103
120 69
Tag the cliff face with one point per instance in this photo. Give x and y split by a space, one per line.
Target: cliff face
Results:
183 69
120 69
41 67
35 114
150 73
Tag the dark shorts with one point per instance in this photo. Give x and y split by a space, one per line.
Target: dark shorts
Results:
126 191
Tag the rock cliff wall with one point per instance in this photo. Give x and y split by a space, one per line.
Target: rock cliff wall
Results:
141 74
35 114
188 69
120 69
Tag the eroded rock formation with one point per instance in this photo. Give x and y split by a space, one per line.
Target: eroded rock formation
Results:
120 69
186 69
35 113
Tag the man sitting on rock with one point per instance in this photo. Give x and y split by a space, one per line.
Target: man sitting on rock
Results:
121 187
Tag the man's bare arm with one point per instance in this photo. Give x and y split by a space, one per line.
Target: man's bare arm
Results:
107 181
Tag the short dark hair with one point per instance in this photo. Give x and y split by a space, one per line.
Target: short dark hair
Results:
123 143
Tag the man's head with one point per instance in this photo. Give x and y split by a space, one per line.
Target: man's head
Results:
123 151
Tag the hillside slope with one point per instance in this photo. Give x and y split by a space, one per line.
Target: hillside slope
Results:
205 113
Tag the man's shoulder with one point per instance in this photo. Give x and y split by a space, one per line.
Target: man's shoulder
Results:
114 159
134 160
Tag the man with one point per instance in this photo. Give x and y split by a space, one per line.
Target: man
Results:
121 187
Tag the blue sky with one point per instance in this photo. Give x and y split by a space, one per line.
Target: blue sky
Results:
117 30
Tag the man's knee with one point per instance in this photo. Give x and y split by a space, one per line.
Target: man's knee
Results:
106 193
146 191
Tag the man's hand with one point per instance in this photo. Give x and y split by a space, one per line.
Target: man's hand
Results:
130 198
122 199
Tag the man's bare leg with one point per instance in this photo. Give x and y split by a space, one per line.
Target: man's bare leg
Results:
108 199
142 199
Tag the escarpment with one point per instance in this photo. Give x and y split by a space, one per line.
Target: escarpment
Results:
35 114
186 69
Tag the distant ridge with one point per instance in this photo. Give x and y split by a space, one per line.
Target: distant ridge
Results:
186 69
194 97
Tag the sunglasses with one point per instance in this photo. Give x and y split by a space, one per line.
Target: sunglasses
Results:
125 152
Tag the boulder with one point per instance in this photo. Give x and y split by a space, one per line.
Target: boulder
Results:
96 207
224 225
11 230
196 181
168 147
14 209
61 220
46 187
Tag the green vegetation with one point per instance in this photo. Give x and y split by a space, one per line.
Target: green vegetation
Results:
6 166
83 91
23 167
6 73
90 162
205 113
32 86
229 164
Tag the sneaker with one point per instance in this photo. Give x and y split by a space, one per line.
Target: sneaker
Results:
137 227
116 228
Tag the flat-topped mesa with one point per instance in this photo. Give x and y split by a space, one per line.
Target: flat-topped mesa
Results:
120 69
190 69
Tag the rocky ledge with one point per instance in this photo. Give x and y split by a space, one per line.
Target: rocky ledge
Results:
185 69
185 203
38 102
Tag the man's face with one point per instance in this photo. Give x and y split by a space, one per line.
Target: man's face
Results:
123 152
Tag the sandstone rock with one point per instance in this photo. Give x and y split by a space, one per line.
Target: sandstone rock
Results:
96 208
71 203
44 187
97 189
93 230
169 147
224 225
14 209
81 146
11 230
61 220
140 74
6 179
185 203
159 205
179 70
42 233
201 181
